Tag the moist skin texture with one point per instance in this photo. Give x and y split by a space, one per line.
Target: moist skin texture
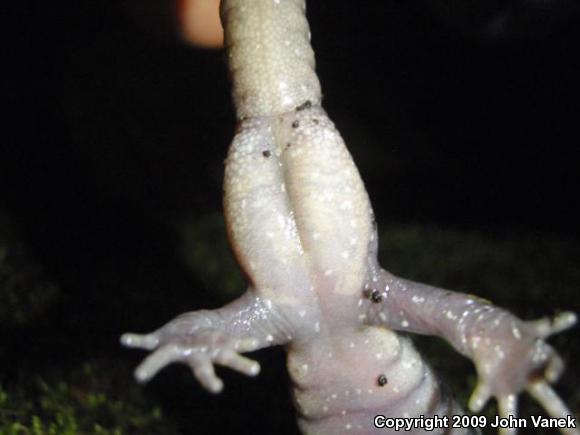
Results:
302 227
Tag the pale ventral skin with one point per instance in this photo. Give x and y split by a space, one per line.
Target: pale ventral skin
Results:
302 227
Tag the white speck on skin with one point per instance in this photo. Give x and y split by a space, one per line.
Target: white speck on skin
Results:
404 324
317 327
348 426
269 338
345 254
450 315
327 272
302 313
268 303
418 299
516 333
325 408
351 345
333 396
343 412
383 317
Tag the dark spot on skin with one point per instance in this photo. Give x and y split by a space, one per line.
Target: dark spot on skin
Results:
538 373
266 153
306 105
382 380
288 145
376 296
536 376
295 124
373 294
315 120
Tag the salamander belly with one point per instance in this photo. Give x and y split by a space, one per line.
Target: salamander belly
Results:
342 384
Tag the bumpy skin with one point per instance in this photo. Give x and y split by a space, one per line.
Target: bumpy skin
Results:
302 227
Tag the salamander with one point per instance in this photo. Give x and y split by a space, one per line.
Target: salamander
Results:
301 225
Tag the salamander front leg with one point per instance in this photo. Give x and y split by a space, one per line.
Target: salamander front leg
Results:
203 338
510 354
200 350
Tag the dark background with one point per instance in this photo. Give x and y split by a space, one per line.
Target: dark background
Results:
446 124
456 117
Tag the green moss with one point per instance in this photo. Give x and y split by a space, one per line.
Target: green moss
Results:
91 399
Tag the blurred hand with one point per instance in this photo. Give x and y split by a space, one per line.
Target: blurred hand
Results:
196 22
